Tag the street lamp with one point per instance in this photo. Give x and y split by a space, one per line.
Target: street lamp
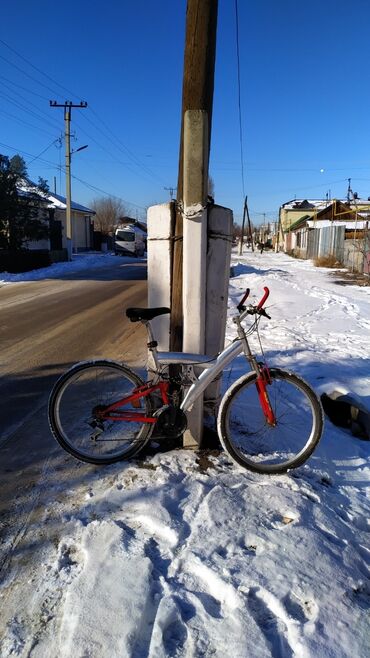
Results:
79 149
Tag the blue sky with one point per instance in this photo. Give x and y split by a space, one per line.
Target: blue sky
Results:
304 98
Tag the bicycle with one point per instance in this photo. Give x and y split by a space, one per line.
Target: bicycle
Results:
269 420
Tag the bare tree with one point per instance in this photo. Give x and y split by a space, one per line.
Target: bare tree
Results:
108 210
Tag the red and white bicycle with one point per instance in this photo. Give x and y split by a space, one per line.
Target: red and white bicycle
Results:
269 420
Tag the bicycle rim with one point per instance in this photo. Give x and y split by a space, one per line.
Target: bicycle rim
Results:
255 444
72 413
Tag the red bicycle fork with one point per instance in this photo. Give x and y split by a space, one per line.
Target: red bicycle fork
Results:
113 411
262 381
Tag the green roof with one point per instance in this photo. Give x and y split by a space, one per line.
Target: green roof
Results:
298 223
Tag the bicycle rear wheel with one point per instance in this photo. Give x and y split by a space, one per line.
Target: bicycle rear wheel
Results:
73 404
258 446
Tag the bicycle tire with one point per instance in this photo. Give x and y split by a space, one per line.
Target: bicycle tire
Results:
259 447
72 400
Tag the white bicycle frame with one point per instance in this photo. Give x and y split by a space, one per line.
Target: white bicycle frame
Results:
211 366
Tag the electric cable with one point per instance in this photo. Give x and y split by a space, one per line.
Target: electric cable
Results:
239 96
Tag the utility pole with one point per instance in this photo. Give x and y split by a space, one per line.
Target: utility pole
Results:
243 224
246 212
67 128
349 190
171 191
249 224
197 94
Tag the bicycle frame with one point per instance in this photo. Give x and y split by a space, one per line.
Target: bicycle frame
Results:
211 368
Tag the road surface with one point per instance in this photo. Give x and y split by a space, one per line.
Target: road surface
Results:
48 325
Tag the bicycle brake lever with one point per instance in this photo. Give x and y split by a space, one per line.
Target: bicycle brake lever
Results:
262 311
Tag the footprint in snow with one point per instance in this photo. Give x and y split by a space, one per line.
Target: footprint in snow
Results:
282 632
303 609
70 561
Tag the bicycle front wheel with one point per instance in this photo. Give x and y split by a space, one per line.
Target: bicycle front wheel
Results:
73 412
258 446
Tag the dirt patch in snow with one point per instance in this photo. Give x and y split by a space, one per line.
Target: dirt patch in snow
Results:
351 278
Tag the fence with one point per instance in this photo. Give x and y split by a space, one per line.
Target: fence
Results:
330 241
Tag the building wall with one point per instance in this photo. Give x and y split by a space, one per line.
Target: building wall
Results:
81 232
289 216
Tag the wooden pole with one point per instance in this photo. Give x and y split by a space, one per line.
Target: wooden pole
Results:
197 94
240 251
249 223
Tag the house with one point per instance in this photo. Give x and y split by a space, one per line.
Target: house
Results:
82 224
81 219
336 229
293 210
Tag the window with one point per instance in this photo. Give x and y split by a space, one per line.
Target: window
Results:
125 236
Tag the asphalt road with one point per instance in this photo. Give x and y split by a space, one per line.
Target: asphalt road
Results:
46 326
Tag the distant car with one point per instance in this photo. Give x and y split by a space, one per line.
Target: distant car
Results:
129 241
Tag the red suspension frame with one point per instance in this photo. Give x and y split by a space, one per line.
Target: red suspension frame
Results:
113 411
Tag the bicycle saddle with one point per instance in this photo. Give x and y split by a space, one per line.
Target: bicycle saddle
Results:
136 314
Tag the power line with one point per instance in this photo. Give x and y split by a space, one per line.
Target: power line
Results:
27 74
15 102
44 151
61 168
35 68
127 151
30 125
120 145
114 196
239 95
29 91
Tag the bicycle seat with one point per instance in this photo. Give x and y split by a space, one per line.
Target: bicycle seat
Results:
138 314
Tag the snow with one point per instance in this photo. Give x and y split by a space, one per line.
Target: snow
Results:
180 554
80 262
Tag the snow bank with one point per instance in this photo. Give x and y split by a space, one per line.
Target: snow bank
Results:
79 262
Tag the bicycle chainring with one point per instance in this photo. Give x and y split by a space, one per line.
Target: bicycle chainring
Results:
171 422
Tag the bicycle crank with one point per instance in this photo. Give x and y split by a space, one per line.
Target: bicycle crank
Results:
171 422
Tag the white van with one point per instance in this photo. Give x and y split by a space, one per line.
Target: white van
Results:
129 241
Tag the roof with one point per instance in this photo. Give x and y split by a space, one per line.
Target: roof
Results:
59 201
53 200
320 204
324 223
299 223
305 204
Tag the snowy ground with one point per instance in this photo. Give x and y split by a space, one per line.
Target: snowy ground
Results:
79 263
188 557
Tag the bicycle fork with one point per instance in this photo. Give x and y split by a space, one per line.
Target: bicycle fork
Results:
263 378
262 381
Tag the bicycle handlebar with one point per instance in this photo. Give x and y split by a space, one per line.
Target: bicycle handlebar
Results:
262 301
240 306
254 310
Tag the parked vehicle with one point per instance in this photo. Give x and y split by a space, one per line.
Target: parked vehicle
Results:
129 241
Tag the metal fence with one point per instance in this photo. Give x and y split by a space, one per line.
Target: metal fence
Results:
330 241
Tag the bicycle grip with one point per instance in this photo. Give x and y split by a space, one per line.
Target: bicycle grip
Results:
241 303
262 301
